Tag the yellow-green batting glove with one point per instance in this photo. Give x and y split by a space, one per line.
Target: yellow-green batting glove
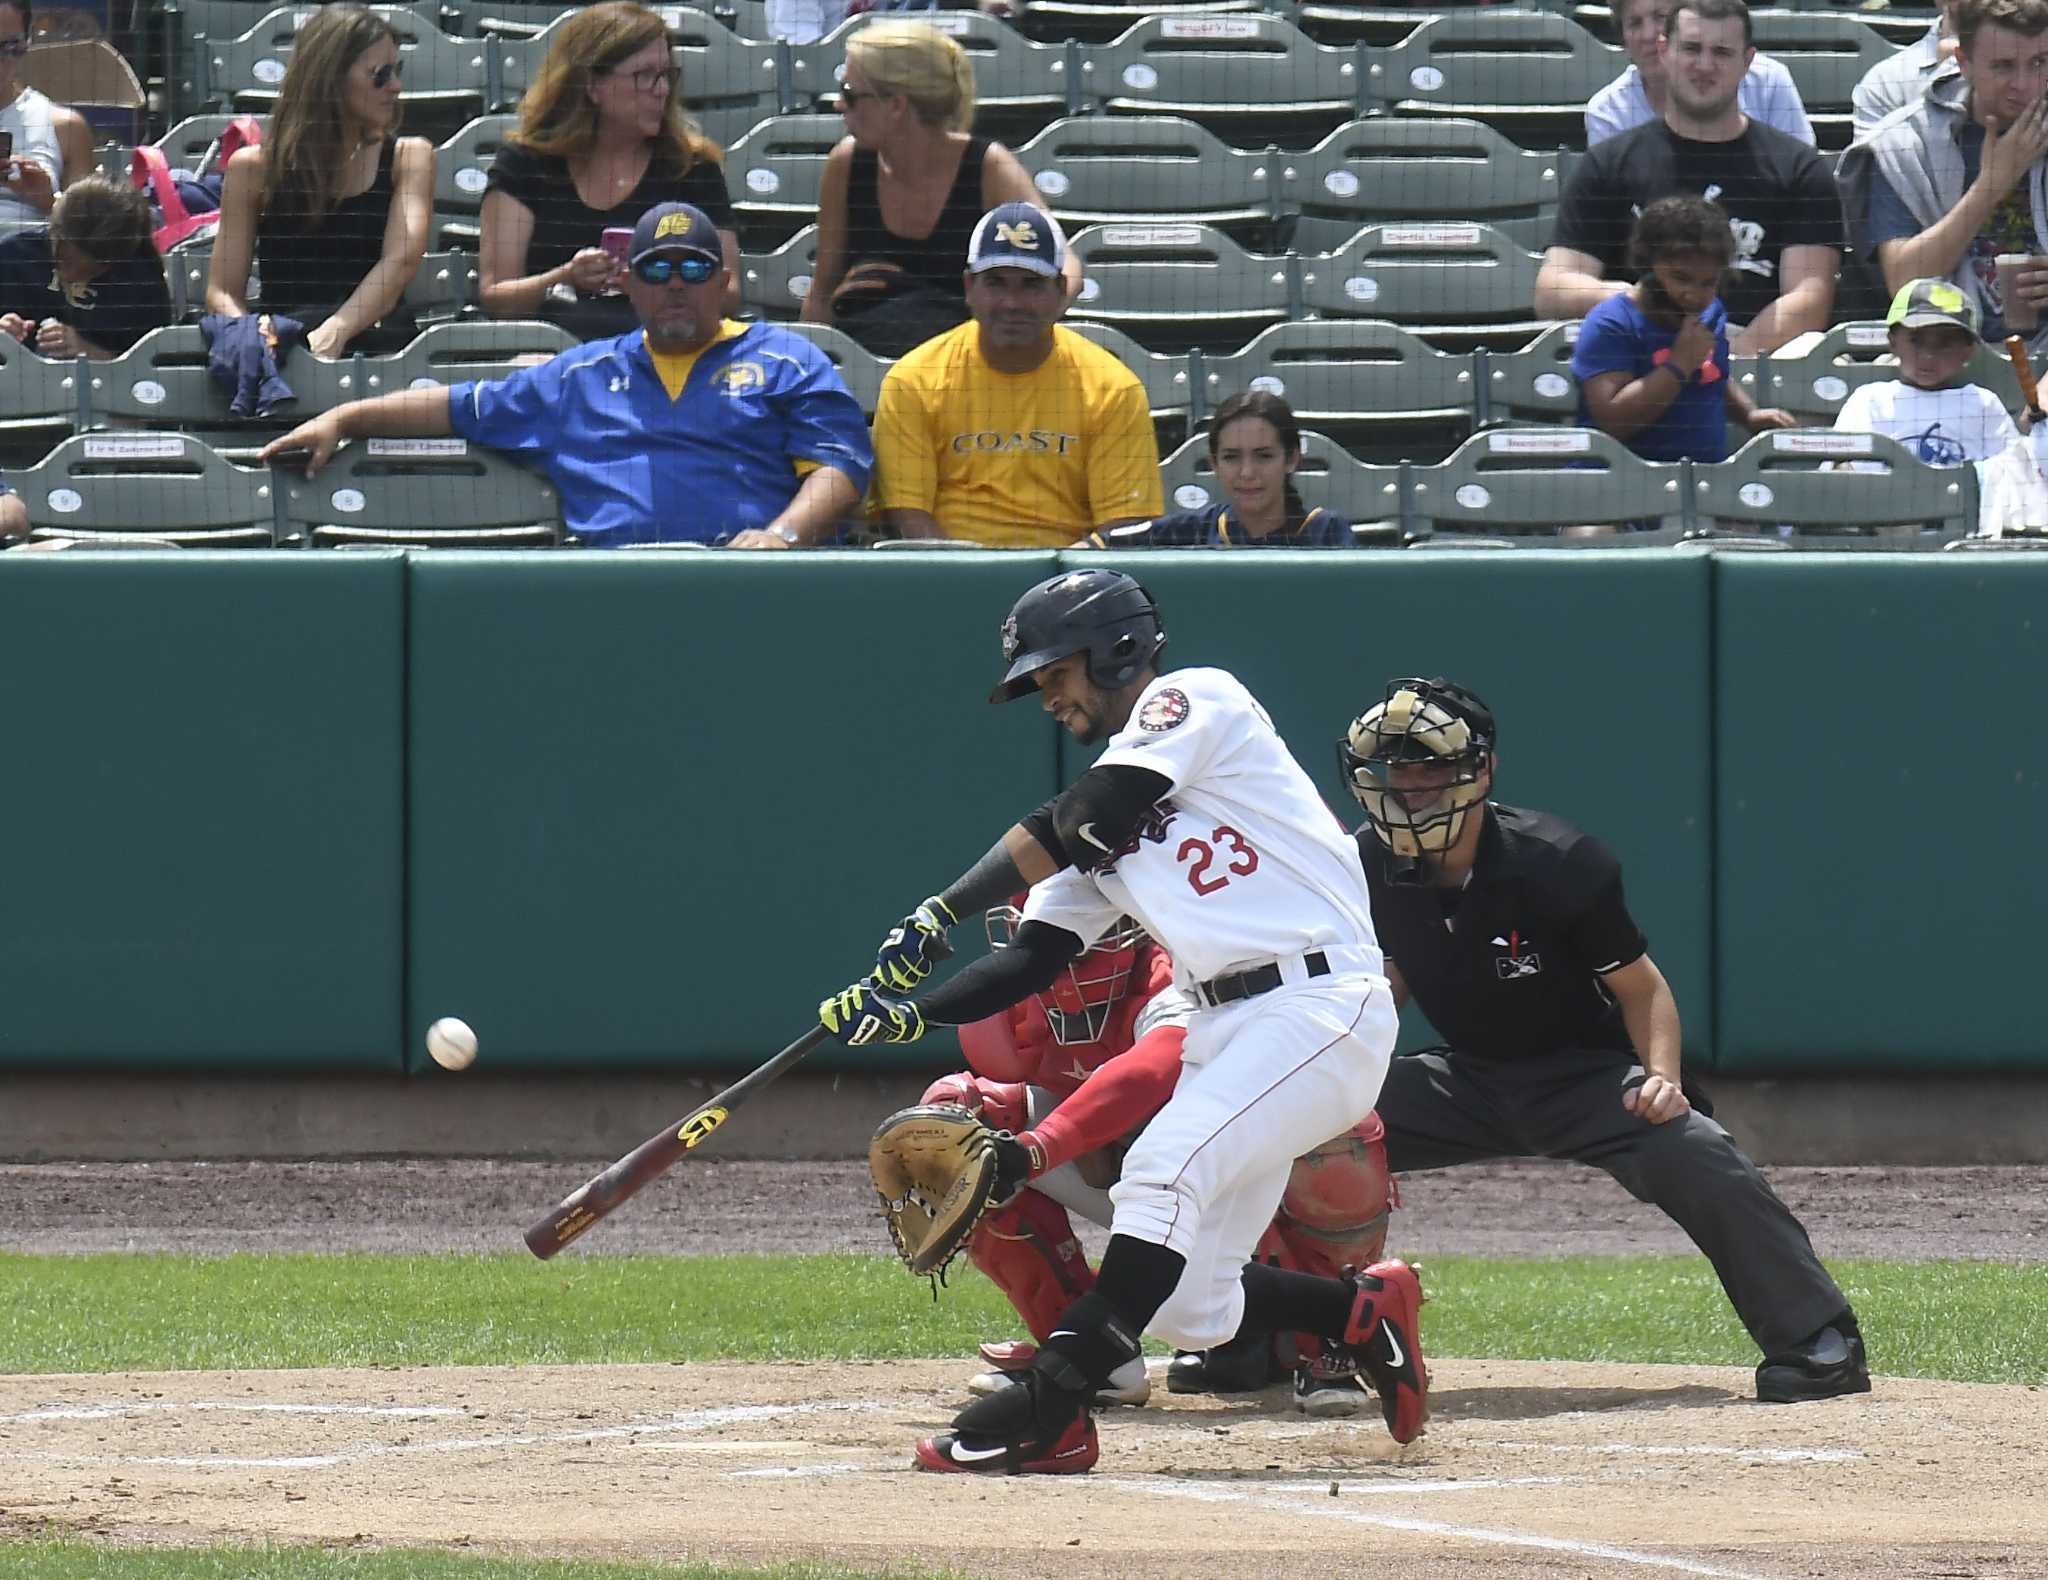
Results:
914 946
864 1014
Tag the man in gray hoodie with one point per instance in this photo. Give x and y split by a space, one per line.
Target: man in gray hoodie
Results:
1941 188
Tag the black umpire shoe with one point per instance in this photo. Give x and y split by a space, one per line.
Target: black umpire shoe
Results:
1824 1366
1244 1365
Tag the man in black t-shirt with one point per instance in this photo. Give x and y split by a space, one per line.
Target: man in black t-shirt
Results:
89 283
1781 202
1510 929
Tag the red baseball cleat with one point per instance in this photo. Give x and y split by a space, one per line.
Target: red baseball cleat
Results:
1074 1451
1385 1334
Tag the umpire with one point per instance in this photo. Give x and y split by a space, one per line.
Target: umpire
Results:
1509 928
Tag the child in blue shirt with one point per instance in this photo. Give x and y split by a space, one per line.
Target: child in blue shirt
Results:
1652 361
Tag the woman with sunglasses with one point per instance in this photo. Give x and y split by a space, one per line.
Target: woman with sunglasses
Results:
602 138
44 139
332 206
904 190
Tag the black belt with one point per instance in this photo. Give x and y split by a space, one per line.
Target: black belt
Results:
1218 991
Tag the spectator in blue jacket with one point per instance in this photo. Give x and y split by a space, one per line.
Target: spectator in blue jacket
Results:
692 428
1255 447
1652 363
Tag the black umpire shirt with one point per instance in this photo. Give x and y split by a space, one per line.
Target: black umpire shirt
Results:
1509 967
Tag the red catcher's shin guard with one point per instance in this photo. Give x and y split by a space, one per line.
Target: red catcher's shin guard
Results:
1333 1217
1384 1332
1027 1248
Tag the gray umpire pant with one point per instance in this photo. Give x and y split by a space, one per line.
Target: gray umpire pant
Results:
1443 1108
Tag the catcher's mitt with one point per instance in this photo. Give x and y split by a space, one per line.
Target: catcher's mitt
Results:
935 1167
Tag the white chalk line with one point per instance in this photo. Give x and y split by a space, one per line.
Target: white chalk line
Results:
107 1412
692 1421
1206 1493
1824 1456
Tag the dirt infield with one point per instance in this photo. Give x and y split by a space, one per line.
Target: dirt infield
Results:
1547 1470
1541 1470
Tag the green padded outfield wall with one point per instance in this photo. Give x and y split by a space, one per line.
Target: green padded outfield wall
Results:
664 803
200 866
1594 665
1883 763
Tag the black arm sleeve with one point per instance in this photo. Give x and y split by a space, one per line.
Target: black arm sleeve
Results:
1102 809
998 980
995 877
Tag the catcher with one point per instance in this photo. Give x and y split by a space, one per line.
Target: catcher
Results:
1073 1071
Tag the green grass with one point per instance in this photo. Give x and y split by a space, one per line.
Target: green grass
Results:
1968 1321
69 1560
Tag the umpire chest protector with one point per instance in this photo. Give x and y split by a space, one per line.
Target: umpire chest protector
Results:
1509 967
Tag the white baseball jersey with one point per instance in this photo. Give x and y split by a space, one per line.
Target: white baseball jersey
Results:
1239 863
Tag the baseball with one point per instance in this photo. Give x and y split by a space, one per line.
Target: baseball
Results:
451 1043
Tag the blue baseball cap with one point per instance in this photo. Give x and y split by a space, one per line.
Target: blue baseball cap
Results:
1017 236
675 227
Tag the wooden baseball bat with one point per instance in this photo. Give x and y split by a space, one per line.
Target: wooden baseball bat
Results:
2023 370
597 1198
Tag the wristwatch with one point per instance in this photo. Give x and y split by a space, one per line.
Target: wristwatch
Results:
787 534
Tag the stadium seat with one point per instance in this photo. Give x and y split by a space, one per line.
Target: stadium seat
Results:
1101 20
462 170
419 493
1541 480
191 144
723 76
1393 169
860 369
441 73
1019 85
1531 385
774 172
35 392
1369 497
1529 73
445 285
1331 22
1158 169
1777 480
1168 387
1463 283
1374 379
1170 286
165 486
775 284
1827 56
1253 78
1813 382
476 348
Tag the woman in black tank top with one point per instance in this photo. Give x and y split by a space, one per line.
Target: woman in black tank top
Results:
908 99
333 208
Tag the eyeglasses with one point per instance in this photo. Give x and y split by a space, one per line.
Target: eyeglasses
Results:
13 48
651 79
384 76
660 270
849 97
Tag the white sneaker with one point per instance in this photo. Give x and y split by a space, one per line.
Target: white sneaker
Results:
1128 1384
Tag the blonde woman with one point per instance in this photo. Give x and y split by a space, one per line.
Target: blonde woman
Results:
602 138
333 206
904 190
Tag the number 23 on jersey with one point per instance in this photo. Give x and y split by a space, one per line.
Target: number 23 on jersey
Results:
1225 846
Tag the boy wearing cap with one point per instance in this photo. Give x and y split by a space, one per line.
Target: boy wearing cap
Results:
1010 431
1934 333
692 428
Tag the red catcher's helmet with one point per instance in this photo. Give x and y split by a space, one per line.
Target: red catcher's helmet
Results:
1079 1003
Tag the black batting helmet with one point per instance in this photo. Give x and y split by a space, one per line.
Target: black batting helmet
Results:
1102 613
1419 721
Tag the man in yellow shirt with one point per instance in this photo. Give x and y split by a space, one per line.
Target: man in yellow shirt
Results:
1010 431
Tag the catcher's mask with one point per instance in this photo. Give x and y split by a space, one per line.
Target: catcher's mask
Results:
1079 1003
1439 729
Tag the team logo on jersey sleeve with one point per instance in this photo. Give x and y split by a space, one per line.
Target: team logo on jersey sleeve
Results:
1163 710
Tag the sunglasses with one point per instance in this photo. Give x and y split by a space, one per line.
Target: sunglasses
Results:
659 271
13 48
849 97
384 76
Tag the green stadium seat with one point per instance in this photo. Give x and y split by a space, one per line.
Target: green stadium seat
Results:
859 368
1170 286
1251 78
164 486
462 171
1373 383
1168 387
1369 497
1818 375
774 172
35 392
1827 56
1455 282
1102 20
191 144
1778 480
419 493
1094 169
774 284
1529 73
1542 480
1395 169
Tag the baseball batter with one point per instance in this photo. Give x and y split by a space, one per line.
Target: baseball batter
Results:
1198 824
